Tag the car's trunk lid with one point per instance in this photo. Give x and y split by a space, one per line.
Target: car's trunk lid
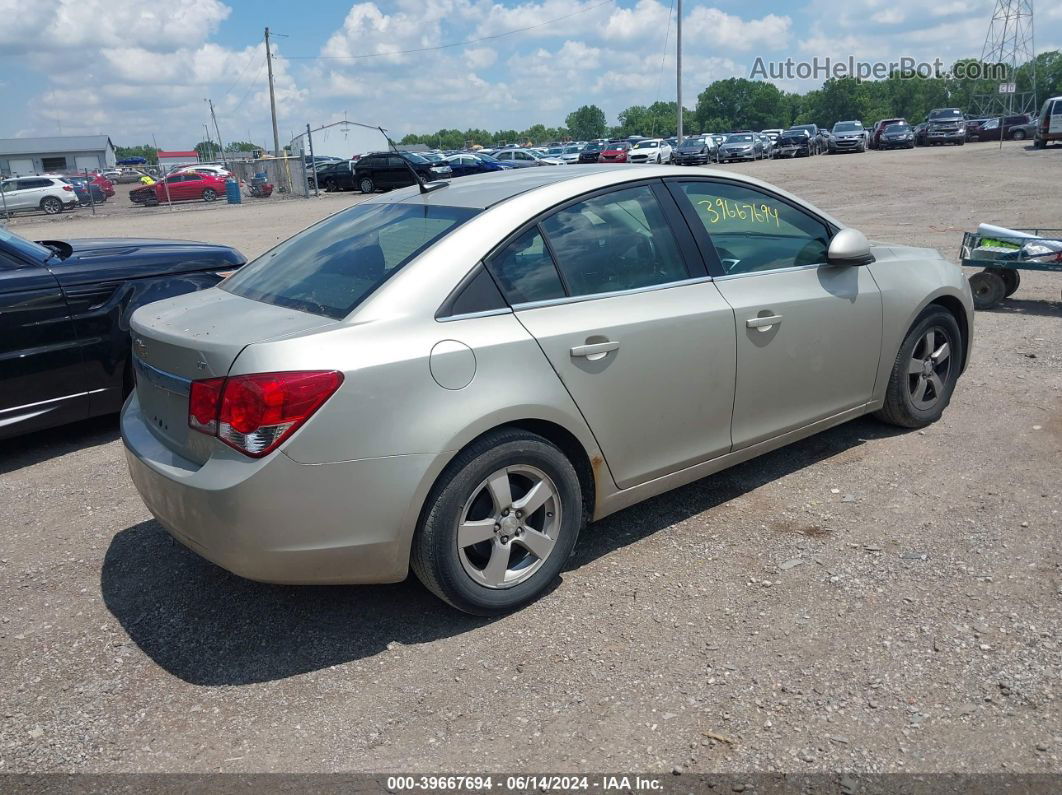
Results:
197 336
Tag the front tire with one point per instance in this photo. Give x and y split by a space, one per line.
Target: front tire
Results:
925 371
366 185
499 524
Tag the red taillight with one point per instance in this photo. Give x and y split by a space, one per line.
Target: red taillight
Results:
255 413
203 405
67 187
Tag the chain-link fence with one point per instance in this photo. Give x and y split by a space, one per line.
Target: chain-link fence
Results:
287 174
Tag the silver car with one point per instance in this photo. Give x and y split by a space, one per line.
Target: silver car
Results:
458 381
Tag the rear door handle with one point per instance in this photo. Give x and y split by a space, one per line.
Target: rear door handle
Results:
763 322
597 350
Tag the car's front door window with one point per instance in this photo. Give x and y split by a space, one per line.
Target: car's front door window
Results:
753 231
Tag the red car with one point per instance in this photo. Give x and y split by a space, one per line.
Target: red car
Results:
614 152
104 184
181 187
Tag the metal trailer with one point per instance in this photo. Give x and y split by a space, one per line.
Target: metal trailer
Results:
1002 257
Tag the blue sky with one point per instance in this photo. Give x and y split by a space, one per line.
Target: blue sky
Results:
134 68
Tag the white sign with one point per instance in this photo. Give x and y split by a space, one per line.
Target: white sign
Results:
1008 88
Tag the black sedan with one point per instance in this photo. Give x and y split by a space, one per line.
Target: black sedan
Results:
589 153
64 319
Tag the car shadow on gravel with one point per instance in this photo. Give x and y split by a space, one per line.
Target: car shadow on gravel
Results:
659 513
209 627
1024 306
35 448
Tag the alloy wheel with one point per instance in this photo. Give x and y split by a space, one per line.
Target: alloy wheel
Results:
929 368
509 526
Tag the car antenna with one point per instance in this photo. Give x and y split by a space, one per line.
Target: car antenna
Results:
425 187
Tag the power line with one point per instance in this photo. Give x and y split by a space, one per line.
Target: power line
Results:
663 57
444 46
250 88
250 61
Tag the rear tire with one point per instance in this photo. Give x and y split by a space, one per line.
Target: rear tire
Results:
988 289
209 195
917 397
459 569
366 185
51 205
1018 135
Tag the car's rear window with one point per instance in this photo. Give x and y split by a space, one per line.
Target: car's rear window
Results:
331 267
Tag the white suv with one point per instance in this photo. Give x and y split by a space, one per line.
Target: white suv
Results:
650 150
25 194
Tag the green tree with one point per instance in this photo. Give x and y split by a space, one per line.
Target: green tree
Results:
741 104
587 122
207 150
145 151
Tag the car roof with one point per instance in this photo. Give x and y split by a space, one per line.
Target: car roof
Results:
482 191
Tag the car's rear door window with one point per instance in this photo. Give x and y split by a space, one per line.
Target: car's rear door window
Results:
615 241
525 270
331 267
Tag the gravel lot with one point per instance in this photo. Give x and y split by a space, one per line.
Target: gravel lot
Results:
865 600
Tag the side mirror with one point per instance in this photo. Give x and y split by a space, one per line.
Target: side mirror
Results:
849 247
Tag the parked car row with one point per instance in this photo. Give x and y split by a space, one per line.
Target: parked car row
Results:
387 170
53 193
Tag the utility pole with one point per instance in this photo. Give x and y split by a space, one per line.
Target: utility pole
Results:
221 141
272 97
678 66
210 141
313 161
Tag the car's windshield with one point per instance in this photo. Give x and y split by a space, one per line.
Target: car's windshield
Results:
619 147
571 150
30 249
331 267
738 139
693 143
555 150
414 158
897 128
946 114
594 147
485 157
847 126
647 145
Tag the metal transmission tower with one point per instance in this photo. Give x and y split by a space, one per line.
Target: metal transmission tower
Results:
1009 42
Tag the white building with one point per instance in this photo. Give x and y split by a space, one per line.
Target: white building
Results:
22 156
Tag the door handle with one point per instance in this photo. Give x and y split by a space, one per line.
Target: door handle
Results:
763 322
597 350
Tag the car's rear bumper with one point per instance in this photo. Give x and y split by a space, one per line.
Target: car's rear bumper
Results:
276 520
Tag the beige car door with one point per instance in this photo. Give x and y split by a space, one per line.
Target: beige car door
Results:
643 342
808 333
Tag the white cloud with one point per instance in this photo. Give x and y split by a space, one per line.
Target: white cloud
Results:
93 24
729 32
